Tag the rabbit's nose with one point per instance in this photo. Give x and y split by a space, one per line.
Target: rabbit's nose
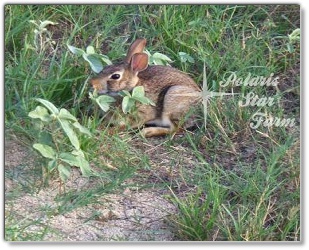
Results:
96 84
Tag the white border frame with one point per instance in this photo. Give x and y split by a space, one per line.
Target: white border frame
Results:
178 245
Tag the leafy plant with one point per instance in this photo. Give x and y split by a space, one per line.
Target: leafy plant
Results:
103 101
129 100
95 60
158 58
58 159
41 35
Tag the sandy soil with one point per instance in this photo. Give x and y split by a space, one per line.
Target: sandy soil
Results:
134 215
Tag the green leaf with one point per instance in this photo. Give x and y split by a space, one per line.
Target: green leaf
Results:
95 62
138 91
90 50
138 94
105 59
104 102
81 128
127 104
184 57
78 153
144 100
69 158
64 114
124 93
45 137
161 59
77 161
64 172
40 113
84 166
45 150
76 51
52 165
51 107
66 125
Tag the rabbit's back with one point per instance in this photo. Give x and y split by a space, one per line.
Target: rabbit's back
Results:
158 77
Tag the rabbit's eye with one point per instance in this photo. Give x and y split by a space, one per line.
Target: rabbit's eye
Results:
115 76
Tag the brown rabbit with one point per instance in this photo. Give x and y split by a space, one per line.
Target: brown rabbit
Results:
173 92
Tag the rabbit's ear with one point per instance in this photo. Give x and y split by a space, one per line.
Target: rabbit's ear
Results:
136 47
139 62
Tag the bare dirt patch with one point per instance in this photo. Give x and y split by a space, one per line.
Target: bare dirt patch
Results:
133 215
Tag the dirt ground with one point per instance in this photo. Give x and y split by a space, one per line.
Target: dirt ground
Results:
134 215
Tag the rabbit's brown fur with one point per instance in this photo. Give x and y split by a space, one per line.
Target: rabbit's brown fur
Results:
173 92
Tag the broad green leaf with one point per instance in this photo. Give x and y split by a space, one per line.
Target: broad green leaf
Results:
40 113
51 107
105 59
81 128
95 63
138 94
70 159
144 100
64 114
45 137
66 125
90 50
76 51
127 104
161 56
104 102
124 93
64 172
84 166
138 91
77 161
52 165
78 153
161 59
45 150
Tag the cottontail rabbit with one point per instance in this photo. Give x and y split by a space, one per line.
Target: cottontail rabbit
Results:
173 92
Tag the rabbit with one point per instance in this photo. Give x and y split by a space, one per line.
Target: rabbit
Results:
173 91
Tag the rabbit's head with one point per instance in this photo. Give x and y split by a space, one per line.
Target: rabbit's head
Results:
123 76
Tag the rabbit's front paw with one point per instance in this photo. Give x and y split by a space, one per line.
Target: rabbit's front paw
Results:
155 131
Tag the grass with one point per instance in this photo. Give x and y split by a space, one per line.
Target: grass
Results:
232 182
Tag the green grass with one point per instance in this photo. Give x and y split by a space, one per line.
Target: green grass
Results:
242 183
